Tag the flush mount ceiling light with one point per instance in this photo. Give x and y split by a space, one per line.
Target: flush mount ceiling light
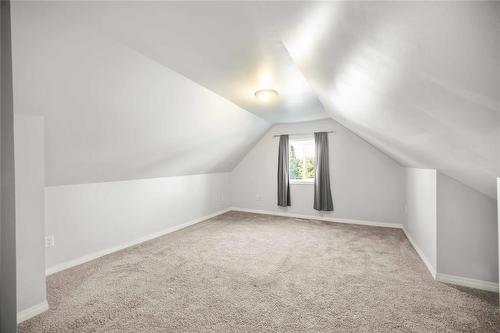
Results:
265 95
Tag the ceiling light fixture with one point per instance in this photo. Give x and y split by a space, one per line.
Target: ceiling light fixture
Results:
265 95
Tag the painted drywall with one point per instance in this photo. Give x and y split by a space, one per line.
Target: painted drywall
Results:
498 226
466 216
113 113
366 183
467 237
30 207
421 221
8 320
418 79
88 218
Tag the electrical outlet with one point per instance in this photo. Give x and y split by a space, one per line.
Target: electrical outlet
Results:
49 241
222 197
258 197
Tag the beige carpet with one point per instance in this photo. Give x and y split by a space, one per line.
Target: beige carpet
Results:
242 272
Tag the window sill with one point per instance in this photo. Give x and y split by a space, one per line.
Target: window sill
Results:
302 182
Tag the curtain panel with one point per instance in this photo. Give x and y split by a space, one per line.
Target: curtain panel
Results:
322 192
283 177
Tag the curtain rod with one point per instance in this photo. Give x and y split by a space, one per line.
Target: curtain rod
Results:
278 135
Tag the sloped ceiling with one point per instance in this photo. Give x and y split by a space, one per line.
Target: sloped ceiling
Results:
112 113
421 81
227 47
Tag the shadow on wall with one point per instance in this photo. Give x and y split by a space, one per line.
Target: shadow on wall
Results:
190 157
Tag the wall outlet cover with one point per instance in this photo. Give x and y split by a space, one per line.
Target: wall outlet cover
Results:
49 241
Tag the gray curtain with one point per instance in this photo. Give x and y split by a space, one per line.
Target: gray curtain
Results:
283 180
322 193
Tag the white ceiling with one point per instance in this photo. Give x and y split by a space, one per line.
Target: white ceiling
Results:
112 113
420 81
228 47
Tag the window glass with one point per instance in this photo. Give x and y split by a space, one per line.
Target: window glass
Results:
301 155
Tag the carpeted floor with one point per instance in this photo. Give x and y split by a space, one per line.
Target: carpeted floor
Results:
242 272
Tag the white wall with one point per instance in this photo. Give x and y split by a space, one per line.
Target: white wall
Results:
366 183
467 231
418 79
421 222
113 113
30 224
89 218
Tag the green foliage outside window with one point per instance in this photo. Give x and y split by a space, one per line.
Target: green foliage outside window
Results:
297 166
295 173
309 168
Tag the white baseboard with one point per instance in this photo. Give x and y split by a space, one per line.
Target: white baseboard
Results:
95 255
319 217
426 261
32 311
466 282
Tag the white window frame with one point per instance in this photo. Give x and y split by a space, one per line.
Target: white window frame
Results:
292 139
308 181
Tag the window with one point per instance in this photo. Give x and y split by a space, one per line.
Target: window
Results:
301 158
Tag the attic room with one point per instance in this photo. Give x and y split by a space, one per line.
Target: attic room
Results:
249 166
